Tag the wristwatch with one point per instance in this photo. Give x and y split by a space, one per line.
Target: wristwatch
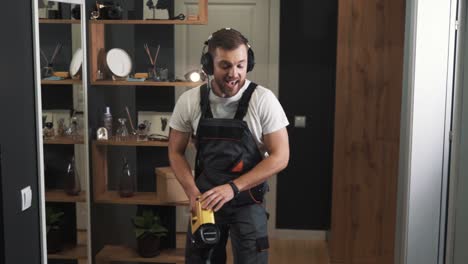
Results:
234 188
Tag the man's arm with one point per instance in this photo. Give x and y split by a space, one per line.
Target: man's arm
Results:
177 144
277 144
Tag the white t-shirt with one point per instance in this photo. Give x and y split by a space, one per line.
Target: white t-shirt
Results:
264 115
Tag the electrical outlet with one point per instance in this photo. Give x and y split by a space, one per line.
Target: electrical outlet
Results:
26 197
299 121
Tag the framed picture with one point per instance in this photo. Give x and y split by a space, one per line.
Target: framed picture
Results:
45 6
155 9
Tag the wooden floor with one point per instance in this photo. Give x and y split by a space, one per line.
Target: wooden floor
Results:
288 251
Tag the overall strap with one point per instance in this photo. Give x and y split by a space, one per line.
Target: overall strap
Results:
244 101
205 113
205 102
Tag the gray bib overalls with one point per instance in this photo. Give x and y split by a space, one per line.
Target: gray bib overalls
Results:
225 150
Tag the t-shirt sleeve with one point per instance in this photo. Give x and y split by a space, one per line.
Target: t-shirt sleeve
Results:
180 118
272 115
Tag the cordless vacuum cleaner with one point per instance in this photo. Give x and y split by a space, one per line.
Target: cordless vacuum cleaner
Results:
205 234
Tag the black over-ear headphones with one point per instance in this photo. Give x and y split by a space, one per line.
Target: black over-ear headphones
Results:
206 59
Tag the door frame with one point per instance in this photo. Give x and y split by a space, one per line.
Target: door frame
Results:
426 106
459 100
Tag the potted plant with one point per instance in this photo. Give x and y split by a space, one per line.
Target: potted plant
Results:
54 232
148 231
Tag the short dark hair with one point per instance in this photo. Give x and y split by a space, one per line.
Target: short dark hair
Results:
227 39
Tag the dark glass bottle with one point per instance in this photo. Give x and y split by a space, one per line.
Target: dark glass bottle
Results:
72 180
126 187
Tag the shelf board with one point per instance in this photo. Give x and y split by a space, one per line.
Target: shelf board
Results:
114 253
70 252
150 22
58 21
145 83
131 142
61 82
61 196
64 140
143 198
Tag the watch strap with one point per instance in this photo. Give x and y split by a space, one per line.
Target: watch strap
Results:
234 188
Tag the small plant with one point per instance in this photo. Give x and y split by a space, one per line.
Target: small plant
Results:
53 218
54 231
148 223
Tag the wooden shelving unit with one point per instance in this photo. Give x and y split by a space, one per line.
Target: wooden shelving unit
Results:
97 47
64 140
132 142
202 19
61 82
72 252
111 253
58 21
100 148
144 198
150 22
145 83
102 194
61 196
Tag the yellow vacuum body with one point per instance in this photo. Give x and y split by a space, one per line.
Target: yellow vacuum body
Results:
205 233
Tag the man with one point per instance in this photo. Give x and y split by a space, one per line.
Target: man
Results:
241 139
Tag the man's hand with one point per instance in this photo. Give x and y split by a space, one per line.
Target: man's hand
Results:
192 198
217 197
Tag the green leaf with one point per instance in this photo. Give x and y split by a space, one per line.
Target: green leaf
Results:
139 221
53 216
139 232
148 223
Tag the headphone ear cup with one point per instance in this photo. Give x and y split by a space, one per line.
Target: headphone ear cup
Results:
250 60
207 63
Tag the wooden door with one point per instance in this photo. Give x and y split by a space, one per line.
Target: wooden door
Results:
367 129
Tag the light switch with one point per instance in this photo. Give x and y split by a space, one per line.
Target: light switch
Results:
26 197
299 121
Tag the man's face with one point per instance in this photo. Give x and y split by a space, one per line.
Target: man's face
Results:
230 70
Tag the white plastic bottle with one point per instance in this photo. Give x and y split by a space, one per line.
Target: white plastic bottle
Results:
107 121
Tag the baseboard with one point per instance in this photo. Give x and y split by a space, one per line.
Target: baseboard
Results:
292 234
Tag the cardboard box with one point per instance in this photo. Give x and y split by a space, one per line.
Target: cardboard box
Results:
168 189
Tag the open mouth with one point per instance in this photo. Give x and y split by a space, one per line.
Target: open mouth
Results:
232 84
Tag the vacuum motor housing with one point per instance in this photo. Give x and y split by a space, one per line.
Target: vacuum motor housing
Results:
205 233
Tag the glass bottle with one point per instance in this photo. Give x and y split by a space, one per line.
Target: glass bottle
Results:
73 130
126 186
61 128
72 181
122 132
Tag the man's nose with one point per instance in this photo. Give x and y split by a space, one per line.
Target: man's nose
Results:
233 72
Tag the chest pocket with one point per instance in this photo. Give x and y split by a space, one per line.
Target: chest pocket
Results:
220 143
